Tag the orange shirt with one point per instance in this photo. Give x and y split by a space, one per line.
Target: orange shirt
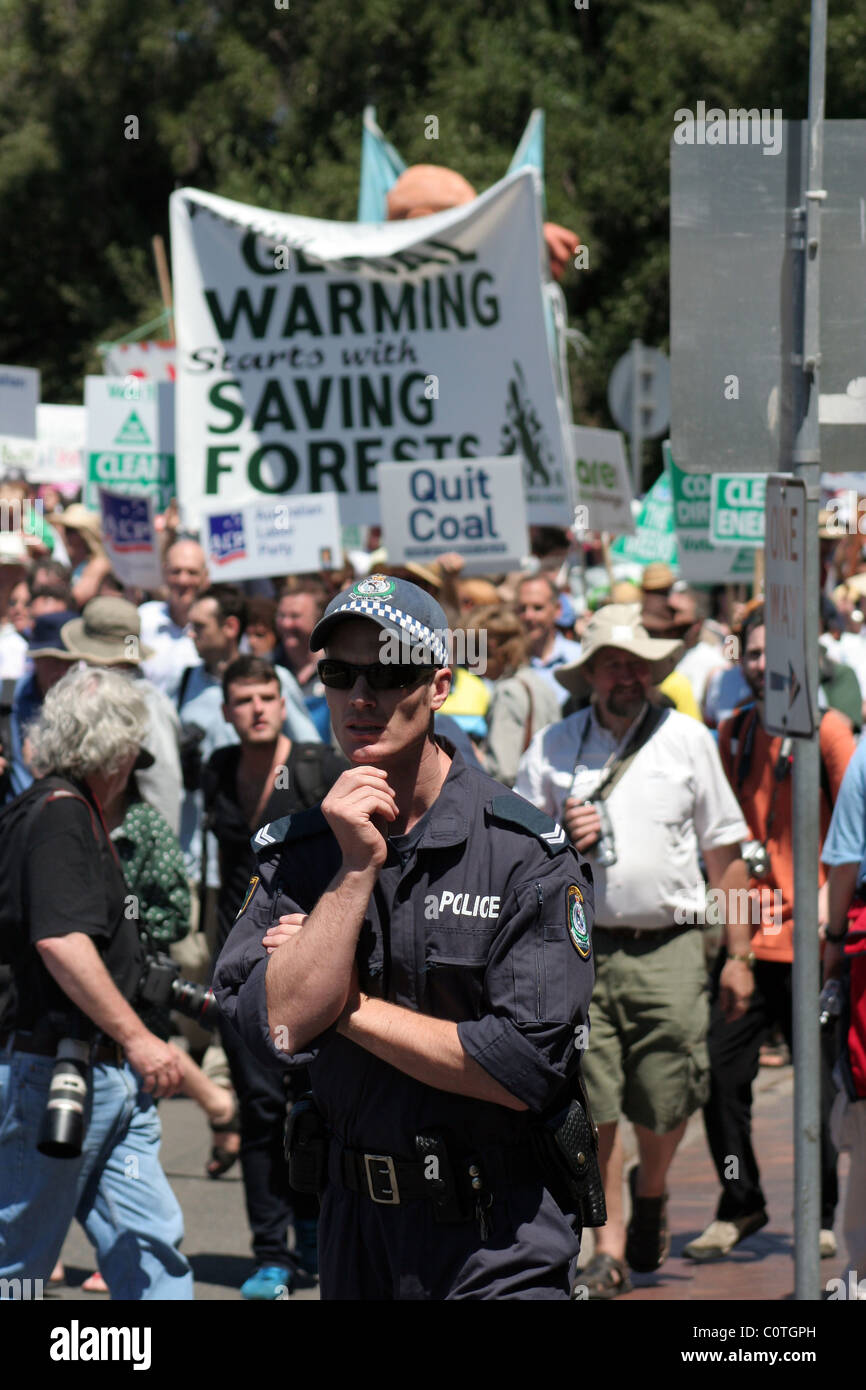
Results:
755 795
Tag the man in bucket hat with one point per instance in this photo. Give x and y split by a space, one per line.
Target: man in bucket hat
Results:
641 791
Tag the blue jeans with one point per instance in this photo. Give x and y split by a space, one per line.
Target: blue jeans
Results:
117 1188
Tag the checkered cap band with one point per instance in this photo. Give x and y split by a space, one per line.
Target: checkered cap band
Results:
375 608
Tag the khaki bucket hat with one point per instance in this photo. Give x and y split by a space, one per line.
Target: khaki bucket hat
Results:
619 625
103 633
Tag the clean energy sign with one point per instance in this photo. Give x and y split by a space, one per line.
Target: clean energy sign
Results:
311 351
737 509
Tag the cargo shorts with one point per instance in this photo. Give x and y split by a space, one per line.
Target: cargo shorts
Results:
647 1057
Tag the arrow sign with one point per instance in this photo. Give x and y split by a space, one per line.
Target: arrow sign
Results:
787 706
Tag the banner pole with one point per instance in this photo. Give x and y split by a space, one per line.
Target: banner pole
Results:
164 281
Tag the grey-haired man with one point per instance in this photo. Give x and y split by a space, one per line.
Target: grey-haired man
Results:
665 799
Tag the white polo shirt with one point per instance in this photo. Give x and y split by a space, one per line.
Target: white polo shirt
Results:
672 801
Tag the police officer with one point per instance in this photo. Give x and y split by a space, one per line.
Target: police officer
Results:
421 941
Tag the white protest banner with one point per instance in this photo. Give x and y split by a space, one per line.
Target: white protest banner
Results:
308 351
152 361
19 396
603 485
130 538
56 454
475 507
254 539
130 437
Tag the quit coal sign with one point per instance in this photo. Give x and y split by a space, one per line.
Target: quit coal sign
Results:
475 507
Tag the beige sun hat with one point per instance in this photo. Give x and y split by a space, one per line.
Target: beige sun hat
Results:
107 632
619 625
87 523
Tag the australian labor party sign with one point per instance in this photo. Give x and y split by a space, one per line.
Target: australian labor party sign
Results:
309 351
472 506
130 538
271 535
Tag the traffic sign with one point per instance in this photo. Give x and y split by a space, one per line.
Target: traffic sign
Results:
737 509
651 370
735 239
787 703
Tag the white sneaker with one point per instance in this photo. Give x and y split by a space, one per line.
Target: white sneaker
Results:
720 1237
827 1245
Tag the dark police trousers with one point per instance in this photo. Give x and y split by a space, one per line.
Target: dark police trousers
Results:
270 1198
377 1253
734 1059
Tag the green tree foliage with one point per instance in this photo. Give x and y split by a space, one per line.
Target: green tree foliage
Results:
264 104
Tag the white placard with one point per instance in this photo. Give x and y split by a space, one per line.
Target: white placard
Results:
787 706
309 351
130 437
475 507
603 484
285 535
130 538
19 396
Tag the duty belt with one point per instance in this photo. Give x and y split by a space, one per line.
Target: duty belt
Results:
390 1181
105 1053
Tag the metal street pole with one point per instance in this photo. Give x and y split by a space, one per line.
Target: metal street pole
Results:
636 415
806 462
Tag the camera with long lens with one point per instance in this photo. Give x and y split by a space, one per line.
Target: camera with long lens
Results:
161 985
756 859
64 1121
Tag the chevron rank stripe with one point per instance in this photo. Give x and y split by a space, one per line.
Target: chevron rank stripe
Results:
554 837
263 837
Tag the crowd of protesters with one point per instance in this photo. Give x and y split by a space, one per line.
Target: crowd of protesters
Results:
625 703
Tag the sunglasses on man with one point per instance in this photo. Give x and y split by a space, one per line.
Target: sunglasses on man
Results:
341 675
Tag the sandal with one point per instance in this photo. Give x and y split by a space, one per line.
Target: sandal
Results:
647 1240
221 1158
603 1277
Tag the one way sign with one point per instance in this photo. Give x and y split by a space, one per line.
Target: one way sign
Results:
787 704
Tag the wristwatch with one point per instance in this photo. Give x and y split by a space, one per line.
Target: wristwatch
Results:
835 937
747 957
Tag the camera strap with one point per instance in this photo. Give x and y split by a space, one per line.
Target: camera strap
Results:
622 759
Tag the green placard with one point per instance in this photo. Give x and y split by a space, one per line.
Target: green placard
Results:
701 562
130 473
737 509
654 537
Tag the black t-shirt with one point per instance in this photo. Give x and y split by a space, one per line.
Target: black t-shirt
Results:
71 882
232 831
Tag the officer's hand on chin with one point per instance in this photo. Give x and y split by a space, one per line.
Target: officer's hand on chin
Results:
582 823
159 1064
357 798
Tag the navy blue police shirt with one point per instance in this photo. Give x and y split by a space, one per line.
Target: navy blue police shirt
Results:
480 915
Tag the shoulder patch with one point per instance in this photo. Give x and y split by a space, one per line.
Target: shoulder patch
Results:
521 815
297 826
576 918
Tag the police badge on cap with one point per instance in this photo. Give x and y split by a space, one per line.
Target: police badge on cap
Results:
374 586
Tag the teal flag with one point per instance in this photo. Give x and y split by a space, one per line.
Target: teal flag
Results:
381 166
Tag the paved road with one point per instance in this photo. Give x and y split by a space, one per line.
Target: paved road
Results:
217 1240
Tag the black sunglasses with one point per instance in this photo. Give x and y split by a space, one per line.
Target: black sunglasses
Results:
341 675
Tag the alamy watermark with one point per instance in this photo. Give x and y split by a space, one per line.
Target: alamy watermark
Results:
19 515
463 647
757 907
734 127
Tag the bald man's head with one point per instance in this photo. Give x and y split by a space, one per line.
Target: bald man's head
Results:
425 188
186 576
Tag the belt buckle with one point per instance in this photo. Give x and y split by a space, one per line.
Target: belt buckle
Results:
379 1182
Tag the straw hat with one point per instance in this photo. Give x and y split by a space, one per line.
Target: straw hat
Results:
102 634
86 523
619 625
